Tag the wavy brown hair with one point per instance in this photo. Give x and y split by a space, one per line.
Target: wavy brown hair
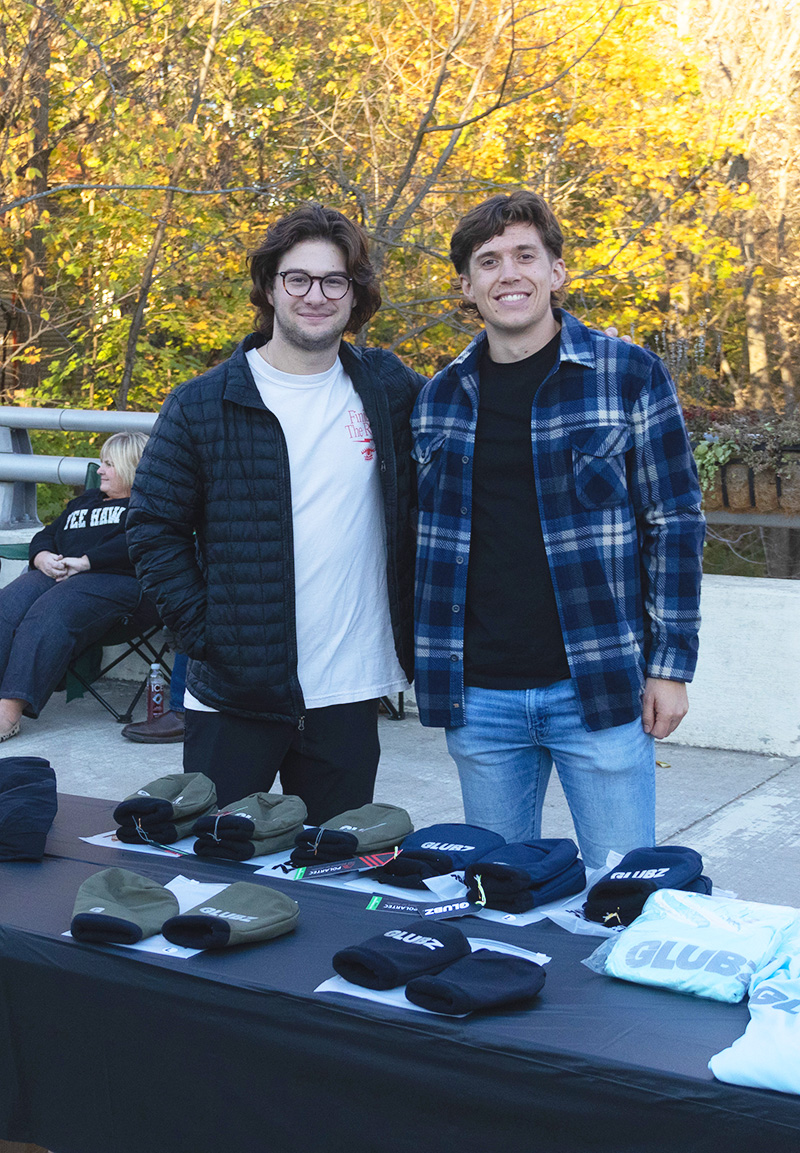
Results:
313 222
492 217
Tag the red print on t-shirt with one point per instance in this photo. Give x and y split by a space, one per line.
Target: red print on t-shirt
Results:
359 430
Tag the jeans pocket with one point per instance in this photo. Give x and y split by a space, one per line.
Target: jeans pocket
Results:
598 461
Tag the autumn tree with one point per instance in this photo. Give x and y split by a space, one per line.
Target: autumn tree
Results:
749 67
170 134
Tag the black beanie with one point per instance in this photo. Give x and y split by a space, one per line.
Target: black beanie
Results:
435 851
394 957
518 877
482 980
618 898
28 805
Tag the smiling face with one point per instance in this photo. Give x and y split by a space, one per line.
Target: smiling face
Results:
310 323
110 482
509 280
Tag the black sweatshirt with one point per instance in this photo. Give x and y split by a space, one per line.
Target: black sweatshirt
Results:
90 526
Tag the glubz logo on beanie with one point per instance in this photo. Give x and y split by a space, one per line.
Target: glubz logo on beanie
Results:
414 939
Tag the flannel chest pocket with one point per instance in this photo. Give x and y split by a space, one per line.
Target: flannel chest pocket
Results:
428 454
598 461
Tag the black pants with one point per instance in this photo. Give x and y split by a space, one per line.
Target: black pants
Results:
330 764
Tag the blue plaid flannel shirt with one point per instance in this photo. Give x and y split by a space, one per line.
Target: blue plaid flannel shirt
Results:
620 510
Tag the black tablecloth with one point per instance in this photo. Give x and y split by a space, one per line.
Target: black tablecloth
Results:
102 1051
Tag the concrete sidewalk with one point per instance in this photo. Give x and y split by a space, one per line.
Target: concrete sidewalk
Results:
740 810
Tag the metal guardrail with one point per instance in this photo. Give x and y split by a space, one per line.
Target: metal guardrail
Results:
76 419
21 470
30 469
752 517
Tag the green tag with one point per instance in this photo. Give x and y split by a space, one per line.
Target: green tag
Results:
374 902
298 874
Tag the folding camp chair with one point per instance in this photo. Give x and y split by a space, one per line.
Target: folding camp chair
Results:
395 712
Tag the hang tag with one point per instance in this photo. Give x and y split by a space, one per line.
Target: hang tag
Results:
440 912
336 868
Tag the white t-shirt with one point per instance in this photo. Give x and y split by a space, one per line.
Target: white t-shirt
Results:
345 648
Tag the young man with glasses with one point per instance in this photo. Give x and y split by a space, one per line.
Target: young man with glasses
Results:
560 543
271 520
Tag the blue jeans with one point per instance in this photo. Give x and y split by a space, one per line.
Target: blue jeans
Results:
177 684
44 623
506 751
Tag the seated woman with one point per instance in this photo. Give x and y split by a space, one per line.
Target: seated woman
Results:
80 583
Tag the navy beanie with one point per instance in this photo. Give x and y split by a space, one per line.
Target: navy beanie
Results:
28 805
618 898
523 876
394 957
482 980
435 851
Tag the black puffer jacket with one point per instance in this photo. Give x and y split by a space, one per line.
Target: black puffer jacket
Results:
210 527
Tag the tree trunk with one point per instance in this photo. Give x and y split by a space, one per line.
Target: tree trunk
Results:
27 320
758 389
787 341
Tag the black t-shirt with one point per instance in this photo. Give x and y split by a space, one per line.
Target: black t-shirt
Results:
512 635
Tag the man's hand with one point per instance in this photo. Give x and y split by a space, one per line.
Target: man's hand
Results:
612 331
51 564
73 565
664 705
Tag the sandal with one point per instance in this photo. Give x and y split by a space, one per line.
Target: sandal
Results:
12 732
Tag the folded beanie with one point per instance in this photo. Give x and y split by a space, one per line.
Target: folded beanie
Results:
28 805
435 851
165 834
517 877
618 898
174 797
394 957
258 824
118 907
368 829
318 846
242 914
165 810
481 980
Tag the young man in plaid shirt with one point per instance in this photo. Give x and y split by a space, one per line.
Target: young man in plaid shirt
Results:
559 554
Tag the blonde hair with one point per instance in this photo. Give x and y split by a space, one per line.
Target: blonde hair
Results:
124 450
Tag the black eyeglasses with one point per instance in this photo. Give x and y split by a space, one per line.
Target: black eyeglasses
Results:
334 286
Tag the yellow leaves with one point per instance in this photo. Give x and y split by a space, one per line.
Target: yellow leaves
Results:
279 104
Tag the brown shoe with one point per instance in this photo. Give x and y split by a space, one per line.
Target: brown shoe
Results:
164 730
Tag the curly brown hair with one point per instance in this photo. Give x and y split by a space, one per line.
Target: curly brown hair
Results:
313 222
